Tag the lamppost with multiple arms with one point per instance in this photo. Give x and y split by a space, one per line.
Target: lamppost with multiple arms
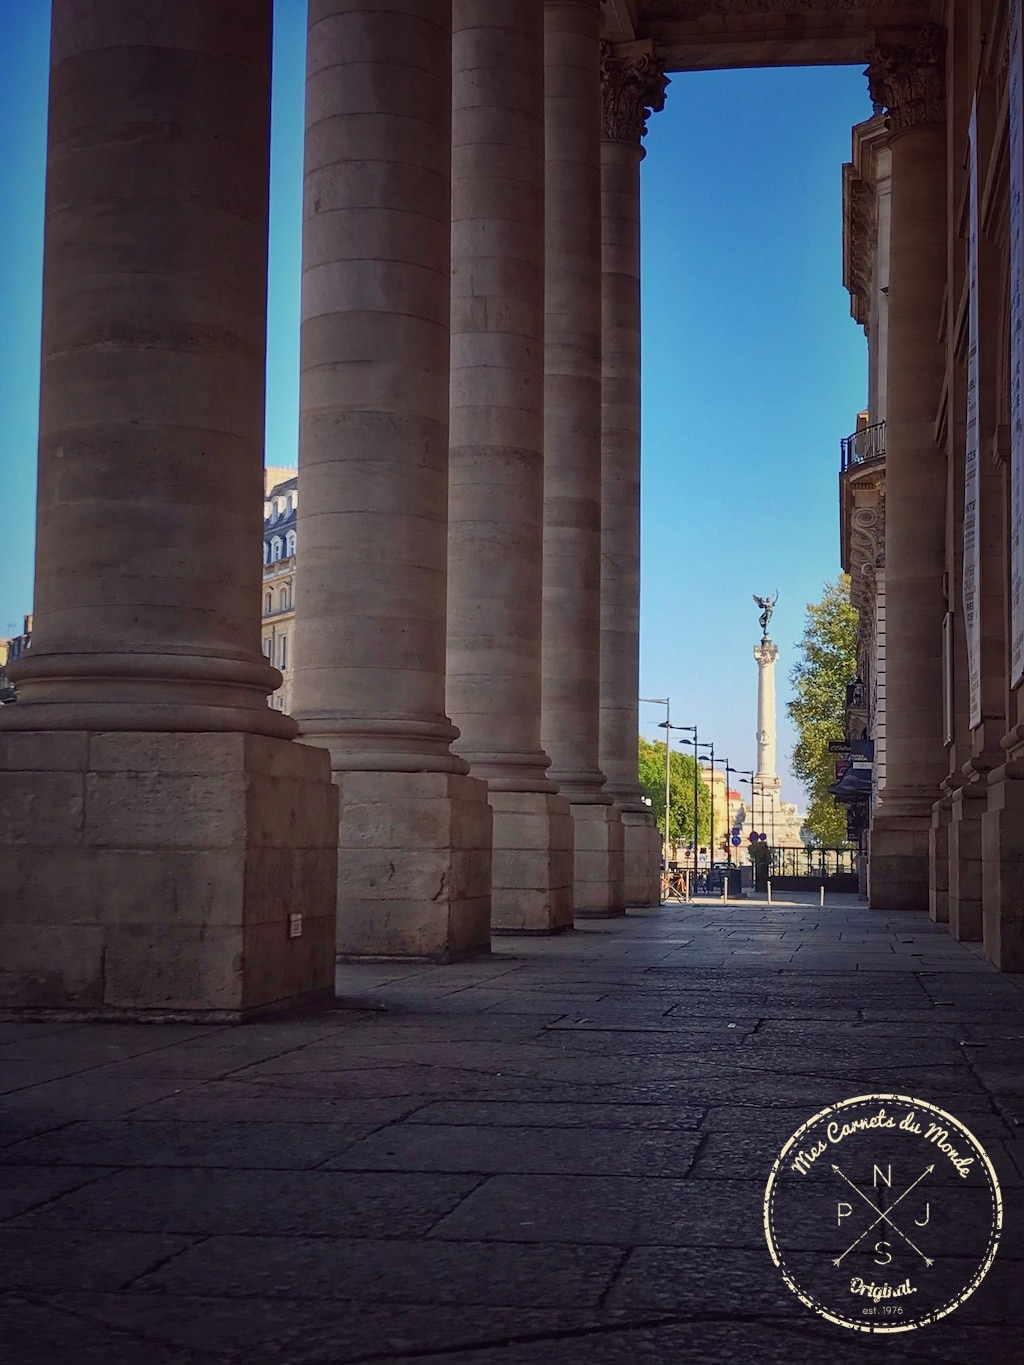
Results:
667 703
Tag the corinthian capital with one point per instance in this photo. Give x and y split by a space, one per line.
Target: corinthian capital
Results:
633 86
908 80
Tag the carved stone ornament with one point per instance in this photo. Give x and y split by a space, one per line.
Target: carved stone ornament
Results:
632 87
908 81
698 9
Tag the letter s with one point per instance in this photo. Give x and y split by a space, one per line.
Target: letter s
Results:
882 1256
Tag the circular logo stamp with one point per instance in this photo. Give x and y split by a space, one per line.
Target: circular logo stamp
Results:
883 1213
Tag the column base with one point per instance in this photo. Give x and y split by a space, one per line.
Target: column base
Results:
642 849
938 861
531 881
966 915
598 862
898 861
1002 853
414 865
149 875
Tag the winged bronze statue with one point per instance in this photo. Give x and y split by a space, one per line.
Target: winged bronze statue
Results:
767 605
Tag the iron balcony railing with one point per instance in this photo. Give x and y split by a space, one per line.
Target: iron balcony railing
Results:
864 446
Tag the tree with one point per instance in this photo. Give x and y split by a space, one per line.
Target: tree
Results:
681 769
818 710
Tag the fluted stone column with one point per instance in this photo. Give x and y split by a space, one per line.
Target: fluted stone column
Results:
633 83
908 80
572 449
414 867
496 495
158 825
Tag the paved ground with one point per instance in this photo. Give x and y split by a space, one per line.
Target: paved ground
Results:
557 1154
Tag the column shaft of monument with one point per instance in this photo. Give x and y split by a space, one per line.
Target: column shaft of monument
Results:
632 82
414 860
157 826
766 654
572 447
147 590
496 490
909 81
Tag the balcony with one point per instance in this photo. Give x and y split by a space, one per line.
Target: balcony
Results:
864 446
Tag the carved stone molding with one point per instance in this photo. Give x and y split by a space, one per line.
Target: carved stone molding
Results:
908 80
633 86
697 9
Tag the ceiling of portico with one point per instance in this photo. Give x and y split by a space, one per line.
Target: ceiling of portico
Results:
707 34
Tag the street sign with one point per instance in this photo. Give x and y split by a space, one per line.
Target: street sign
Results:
842 767
839 746
736 841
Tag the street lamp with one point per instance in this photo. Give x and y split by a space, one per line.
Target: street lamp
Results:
711 840
728 814
696 789
666 702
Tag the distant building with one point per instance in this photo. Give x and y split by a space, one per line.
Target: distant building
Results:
11 649
281 497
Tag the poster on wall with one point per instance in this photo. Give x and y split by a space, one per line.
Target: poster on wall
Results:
972 625
1016 103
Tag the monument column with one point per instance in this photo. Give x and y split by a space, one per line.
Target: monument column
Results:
572 449
157 827
633 84
908 81
496 495
414 870
766 783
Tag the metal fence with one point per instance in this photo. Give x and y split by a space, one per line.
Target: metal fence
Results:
818 863
864 445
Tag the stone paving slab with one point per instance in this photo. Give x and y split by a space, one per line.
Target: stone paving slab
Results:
555 1153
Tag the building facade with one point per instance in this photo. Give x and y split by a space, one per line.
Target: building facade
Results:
280 541
464 693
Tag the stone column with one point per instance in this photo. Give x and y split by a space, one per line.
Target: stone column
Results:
572 449
908 81
633 83
159 828
496 495
766 783
414 868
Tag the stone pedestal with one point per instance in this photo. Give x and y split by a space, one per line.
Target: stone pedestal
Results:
938 861
414 865
965 861
642 851
532 876
599 862
1002 851
154 875
414 841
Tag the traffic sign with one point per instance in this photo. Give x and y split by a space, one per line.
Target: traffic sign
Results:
736 841
753 836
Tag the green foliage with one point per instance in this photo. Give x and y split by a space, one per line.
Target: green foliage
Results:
681 770
818 710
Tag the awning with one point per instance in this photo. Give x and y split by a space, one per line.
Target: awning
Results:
854 785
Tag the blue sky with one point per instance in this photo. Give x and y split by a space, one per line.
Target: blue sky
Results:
753 369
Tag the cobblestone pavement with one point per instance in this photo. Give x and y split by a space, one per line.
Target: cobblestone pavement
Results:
554 1154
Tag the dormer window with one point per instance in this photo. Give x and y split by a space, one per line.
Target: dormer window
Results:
275 549
290 541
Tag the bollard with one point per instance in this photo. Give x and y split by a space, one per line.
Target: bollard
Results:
769 890
821 898
725 888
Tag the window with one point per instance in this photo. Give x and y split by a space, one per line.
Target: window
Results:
268 647
275 549
268 604
290 543
283 652
289 503
286 597
266 552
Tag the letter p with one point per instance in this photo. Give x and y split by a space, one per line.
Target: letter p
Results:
842 1211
